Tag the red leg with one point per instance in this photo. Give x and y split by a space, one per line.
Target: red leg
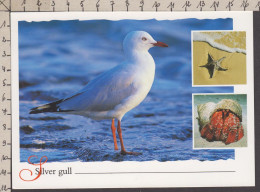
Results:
203 131
206 132
231 137
233 124
123 151
217 124
113 128
209 135
218 132
240 133
224 133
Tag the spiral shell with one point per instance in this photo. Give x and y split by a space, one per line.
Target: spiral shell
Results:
231 105
204 113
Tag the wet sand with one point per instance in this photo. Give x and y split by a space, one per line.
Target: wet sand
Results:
234 62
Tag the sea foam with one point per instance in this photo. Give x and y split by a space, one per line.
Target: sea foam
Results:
203 37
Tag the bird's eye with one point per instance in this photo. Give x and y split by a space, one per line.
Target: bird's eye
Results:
144 39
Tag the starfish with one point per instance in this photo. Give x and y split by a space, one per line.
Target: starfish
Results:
213 65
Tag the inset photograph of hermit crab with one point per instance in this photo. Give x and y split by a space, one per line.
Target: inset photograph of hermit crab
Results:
219 121
219 57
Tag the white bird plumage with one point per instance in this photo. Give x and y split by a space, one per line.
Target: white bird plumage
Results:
117 91
120 89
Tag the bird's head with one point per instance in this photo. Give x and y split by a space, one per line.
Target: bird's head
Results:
141 40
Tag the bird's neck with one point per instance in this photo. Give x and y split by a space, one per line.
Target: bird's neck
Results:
138 56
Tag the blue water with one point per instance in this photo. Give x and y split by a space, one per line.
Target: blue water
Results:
59 57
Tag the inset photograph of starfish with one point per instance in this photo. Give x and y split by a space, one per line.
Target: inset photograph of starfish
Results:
218 58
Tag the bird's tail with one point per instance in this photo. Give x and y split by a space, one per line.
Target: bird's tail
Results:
50 107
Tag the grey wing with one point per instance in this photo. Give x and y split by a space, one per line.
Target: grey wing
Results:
103 93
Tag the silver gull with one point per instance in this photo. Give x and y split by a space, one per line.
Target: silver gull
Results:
115 92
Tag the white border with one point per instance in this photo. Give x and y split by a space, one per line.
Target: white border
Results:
244 165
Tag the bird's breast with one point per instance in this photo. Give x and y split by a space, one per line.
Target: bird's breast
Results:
144 77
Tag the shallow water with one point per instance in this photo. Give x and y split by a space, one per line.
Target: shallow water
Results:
59 57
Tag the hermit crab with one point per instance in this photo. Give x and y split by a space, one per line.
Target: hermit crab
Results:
221 121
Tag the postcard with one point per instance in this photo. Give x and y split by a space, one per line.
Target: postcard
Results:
130 100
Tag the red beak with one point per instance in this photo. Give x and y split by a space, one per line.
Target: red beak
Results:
160 44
